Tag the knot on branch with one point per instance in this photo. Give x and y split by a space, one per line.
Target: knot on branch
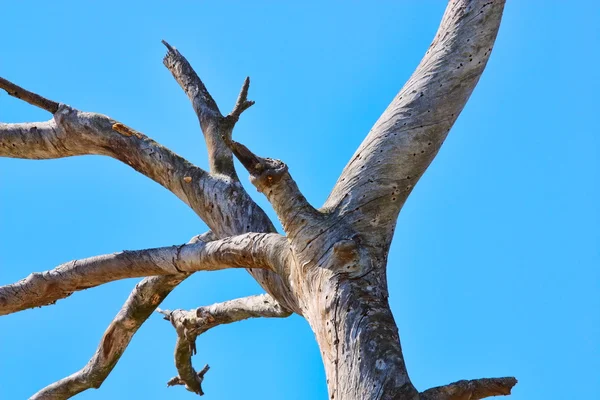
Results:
189 324
264 172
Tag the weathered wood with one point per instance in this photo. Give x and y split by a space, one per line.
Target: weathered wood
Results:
331 265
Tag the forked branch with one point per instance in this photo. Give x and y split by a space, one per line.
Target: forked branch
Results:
212 122
190 324
242 103
251 250
73 133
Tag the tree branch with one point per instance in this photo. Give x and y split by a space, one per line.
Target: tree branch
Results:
242 103
251 250
471 390
219 199
374 185
190 324
228 210
176 380
212 122
29 97
142 301
271 177
72 133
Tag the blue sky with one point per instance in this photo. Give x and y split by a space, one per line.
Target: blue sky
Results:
495 265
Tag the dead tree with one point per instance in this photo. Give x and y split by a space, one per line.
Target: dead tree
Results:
330 267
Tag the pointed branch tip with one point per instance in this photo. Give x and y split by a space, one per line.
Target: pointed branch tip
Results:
242 103
474 389
32 98
168 46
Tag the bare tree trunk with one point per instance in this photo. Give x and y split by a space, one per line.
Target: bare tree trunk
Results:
330 267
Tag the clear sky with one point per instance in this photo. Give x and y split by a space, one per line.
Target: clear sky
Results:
495 265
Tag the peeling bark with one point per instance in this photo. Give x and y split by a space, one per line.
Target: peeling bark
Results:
331 265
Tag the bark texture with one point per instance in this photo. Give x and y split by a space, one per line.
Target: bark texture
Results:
330 267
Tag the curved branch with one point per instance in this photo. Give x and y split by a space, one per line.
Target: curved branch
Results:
472 390
374 185
190 324
251 250
73 133
142 302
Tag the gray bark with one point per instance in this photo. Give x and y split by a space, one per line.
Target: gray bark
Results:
330 267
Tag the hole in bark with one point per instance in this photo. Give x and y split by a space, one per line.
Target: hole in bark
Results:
429 144
422 151
422 94
393 199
